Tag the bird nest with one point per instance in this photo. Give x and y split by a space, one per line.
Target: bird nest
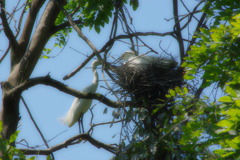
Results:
147 84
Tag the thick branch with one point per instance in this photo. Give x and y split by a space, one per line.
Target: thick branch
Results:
24 68
28 27
47 80
69 142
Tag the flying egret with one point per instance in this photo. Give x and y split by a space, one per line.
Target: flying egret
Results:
144 60
80 106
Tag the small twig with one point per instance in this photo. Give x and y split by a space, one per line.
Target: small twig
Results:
80 33
104 123
79 67
6 27
35 124
111 41
5 53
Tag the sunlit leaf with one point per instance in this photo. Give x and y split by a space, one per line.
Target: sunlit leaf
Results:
225 123
225 99
188 77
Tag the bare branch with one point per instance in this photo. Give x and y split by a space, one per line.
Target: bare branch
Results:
177 30
80 33
64 25
200 23
76 139
28 27
5 53
35 124
6 27
23 69
111 41
79 67
104 123
47 80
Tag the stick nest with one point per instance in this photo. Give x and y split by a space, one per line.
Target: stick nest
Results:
147 84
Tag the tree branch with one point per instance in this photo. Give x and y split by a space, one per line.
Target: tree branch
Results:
5 53
111 41
71 141
79 67
64 25
47 80
23 69
200 23
35 124
177 29
80 33
28 27
6 27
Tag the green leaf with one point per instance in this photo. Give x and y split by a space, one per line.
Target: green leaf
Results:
13 137
49 157
185 90
225 123
232 144
1 126
32 158
172 92
227 99
237 102
231 91
188 77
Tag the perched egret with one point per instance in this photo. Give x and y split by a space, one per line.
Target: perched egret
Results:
80 106
144 60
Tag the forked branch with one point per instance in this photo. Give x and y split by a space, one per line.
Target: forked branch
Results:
76 139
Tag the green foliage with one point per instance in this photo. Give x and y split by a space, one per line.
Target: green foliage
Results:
216 56
176 133
93 14
229 126
10 152
222 10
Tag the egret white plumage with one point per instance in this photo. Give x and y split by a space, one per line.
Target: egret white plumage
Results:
80 106
144 60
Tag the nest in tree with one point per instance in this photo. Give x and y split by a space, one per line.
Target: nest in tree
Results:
147 84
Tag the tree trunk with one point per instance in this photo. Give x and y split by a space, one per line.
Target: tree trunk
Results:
23 66
10 111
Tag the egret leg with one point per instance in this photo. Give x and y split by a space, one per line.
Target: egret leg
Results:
81 121
79 125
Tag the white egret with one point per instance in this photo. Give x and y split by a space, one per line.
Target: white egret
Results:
80 106
144 60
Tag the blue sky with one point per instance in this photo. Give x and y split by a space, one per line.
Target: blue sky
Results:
48 105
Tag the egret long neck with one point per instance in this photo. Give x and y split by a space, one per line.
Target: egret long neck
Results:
95 79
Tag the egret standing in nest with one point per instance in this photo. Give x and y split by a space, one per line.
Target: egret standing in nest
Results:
80 106
135 61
